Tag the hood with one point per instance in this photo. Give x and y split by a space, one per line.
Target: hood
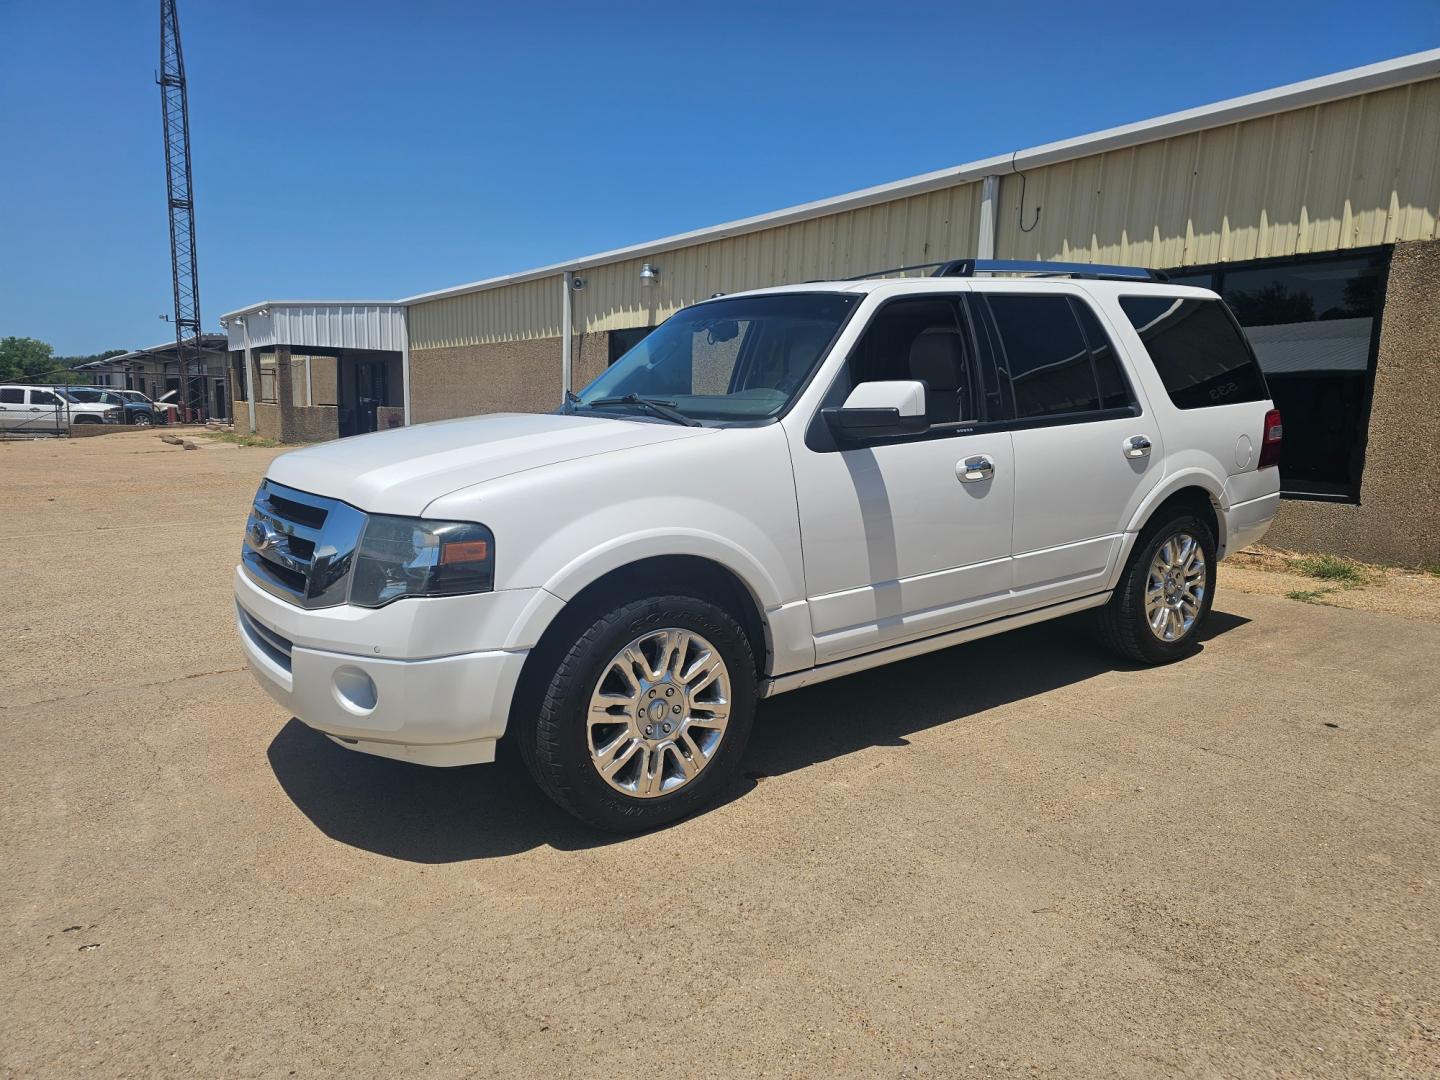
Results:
403 470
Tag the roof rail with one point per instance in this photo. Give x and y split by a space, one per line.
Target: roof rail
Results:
1092 271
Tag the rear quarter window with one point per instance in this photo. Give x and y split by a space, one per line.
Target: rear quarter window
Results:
1198 350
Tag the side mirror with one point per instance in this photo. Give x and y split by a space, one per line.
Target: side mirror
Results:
879 410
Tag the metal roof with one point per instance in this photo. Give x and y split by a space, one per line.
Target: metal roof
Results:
207 342
1389 73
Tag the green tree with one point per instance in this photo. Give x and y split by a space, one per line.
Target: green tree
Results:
23 358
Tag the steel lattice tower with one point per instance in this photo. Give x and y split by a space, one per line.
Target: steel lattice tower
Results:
175 112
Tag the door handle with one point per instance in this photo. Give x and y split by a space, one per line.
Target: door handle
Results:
972 470
1137 446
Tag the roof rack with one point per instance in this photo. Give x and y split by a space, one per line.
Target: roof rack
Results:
972 267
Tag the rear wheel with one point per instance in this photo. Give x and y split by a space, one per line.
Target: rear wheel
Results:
1163 599
646 716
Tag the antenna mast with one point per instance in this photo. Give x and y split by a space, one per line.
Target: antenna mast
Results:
176 114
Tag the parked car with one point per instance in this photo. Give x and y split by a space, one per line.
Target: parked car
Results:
138 410
770 490
40 410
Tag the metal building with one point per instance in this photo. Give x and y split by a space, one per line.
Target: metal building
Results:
1312 207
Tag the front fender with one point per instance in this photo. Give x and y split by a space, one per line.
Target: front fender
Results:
594 564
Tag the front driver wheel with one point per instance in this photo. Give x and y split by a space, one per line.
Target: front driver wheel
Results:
1164 596
141 420
646 717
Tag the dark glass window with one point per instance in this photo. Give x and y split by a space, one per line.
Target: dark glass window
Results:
43 397
1045 355
622 341
1114 390
1200 355
1311 321
920 338
12 395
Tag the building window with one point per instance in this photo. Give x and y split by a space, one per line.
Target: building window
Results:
622 341
267 364
1314 323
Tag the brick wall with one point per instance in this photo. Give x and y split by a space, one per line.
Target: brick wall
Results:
1398 517
513 376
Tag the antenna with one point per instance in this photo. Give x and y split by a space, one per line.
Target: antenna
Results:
175 111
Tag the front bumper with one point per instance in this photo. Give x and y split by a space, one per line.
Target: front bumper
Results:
432 710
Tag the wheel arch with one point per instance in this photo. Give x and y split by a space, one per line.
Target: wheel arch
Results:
694 575
1194 489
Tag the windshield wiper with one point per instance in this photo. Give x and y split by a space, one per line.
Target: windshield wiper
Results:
658 406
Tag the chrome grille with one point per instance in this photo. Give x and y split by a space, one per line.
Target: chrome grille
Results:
299 546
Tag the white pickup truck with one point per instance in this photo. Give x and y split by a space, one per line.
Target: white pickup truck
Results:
772 489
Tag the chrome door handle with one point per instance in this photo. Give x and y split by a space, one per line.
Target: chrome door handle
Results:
1137 446
972 470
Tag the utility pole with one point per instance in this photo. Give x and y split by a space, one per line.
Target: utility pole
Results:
175 112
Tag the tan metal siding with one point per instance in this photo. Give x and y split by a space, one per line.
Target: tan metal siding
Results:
1350 173
528 309
920 228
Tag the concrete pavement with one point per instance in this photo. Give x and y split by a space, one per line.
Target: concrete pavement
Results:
1014 857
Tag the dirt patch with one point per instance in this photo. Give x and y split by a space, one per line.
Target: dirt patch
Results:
1341 583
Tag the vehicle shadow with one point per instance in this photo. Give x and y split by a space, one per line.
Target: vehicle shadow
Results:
883 706
425 815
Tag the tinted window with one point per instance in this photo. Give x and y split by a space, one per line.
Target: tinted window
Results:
1045 354
919 339
43 397
1197 349
1114 390
12 395
86 395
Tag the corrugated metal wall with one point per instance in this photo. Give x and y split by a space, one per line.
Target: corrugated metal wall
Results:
1364 170
1350 173
918 229
336 326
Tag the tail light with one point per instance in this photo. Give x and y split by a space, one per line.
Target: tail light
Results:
1270 441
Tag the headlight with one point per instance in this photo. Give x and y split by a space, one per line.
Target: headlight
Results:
402 556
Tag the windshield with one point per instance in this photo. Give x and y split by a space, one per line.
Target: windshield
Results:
737 359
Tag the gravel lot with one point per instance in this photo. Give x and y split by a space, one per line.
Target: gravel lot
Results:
1013 857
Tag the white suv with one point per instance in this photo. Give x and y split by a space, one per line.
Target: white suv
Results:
49 410
772 489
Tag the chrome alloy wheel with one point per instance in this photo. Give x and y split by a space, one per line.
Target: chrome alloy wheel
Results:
658 713
1175 587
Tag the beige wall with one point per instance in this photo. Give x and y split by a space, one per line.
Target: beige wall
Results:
1398 518
1351 173
514 376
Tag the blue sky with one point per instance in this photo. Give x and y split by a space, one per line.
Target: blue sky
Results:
374 150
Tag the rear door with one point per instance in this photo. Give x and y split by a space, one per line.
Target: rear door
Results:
1087 449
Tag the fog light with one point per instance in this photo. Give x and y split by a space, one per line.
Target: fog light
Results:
355 691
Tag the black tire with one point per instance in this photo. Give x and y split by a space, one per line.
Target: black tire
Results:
551 725
141 420
1123 620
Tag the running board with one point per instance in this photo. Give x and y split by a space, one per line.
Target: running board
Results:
849 666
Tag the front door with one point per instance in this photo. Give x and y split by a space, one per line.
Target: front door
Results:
1086 451
362 394
898 543
44 412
